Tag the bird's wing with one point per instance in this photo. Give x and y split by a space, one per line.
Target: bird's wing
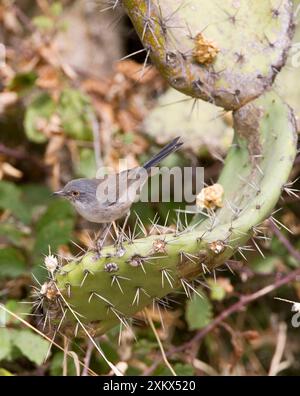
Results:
121 187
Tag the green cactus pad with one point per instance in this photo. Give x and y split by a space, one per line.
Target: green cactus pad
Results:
287 81
201 125
246 43
108 291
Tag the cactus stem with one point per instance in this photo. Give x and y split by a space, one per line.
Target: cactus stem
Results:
182 71
148 23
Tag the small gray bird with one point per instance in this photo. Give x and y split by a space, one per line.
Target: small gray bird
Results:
110 197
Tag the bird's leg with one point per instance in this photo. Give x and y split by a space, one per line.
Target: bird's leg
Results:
120 237
101 240
115 229
125 222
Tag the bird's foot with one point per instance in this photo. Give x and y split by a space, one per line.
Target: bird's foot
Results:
120 250
100 243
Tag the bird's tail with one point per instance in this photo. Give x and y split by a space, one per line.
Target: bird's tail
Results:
167 150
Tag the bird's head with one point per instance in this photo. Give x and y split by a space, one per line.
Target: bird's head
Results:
79 191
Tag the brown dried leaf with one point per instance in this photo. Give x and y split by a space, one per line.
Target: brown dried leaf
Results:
133 71
48 78
7 99
7 169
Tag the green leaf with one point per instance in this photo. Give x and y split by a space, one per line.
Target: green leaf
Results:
127 138
36 198
184 369
11 233
86 166
265 265
57 364
5 344
35 195
11 199
12 263
277 248
179 368
23 81
56 9
53 235
42 107
144 347
18 308
33 346
43 22
75 111
54 228
57 210
217 292
199 312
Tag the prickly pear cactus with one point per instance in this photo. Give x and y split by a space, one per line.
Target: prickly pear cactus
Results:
285 83
111 290
226 52
200 124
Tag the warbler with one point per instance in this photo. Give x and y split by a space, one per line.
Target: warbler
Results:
109 198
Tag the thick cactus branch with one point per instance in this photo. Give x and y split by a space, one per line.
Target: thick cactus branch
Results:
224 52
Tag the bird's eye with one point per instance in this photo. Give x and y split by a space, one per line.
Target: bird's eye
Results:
75 193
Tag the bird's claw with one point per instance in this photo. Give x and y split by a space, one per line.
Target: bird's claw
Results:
120 250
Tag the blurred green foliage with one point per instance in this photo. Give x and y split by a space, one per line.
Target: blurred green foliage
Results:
199 311
38 222
73 109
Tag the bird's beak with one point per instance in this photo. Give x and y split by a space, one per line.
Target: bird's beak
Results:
60 193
